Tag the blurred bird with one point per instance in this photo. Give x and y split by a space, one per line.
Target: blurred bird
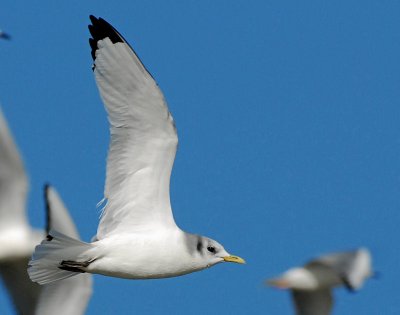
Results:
18 239
72 295
4 35
311 285
137 237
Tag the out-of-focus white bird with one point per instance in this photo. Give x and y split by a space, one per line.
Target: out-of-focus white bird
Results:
72 295
18 239
311 285
137 237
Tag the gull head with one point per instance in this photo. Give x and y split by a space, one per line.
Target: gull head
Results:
295 278
210 252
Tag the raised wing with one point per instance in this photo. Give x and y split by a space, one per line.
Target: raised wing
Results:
143 137
13 182
319 302
58 217
69 296
353 267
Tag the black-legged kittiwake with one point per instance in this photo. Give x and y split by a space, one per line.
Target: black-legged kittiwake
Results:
137 237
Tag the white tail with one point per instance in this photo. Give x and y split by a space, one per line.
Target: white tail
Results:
58 257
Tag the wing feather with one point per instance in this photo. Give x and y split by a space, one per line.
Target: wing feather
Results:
13 182
69 296
319 302
143 137
353 267
23 292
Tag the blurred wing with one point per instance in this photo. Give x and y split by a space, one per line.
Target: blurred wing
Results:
360 269
318 302
65 297
353 267
58 217
143 137
69 296
24 293
13 182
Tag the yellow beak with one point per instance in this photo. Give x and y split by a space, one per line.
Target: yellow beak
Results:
234 259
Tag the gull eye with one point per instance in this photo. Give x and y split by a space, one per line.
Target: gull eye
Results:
211 249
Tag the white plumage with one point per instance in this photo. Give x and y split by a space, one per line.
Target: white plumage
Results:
143 143
137 237
17 237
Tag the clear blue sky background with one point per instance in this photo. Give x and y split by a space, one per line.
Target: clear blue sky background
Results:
288 117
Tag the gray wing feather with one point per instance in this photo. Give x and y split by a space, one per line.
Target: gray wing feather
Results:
23 292
58 216
353 267
65 297
319 302
143 137
13 181
69 296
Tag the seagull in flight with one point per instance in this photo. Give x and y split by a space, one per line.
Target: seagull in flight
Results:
18 240
137 237
311 285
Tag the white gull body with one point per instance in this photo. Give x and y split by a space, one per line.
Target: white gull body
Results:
137 237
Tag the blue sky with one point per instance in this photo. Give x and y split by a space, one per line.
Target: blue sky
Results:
288 119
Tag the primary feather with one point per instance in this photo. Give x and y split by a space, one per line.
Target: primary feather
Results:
143 137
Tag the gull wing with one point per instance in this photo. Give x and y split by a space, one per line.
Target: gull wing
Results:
23 292
69 296
319 302
353 267
13 182
143 137
13 222
58 217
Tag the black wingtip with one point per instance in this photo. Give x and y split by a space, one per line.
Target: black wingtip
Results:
347 284
46 188
100 29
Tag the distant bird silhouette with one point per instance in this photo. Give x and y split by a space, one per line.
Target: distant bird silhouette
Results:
311 284
4 35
